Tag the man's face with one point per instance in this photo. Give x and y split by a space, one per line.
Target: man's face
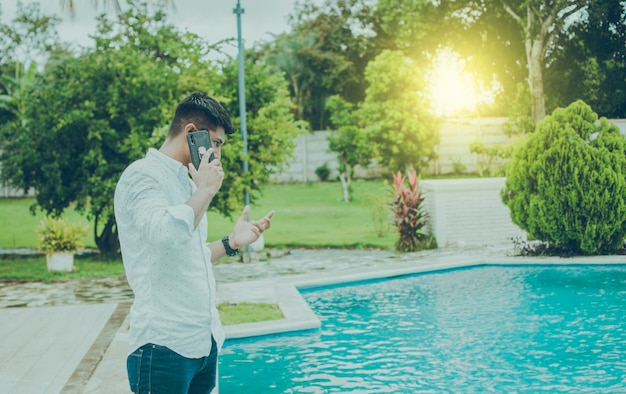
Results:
218 137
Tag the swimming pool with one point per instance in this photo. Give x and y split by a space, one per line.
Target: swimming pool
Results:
481 329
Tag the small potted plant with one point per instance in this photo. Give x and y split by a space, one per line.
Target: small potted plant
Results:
60 240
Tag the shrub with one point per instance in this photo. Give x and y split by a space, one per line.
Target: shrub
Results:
566 183
409 217
488 155
323 172
59 235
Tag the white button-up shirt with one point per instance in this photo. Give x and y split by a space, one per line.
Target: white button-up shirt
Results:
167 260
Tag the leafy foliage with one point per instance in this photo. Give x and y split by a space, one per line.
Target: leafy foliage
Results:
409 217
349 141
520 121
271 131
325 54
59 235
396 113
566 185
31 37
593 54
323 172
312 73
487 155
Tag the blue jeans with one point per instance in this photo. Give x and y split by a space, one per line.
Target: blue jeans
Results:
156 369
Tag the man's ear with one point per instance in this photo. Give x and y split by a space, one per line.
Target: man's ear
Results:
188 128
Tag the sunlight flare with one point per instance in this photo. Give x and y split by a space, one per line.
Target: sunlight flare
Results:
453 90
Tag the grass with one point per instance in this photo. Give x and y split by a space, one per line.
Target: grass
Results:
248 313
34 269
18 225
307 215
315 215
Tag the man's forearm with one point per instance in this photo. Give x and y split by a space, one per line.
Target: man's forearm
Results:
217 249
199 202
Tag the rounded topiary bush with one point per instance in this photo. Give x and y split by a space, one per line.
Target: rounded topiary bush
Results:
566 183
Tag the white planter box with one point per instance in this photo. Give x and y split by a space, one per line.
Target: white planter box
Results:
60 262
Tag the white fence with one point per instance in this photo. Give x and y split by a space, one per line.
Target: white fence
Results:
453 150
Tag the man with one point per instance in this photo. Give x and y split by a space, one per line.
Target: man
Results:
175 330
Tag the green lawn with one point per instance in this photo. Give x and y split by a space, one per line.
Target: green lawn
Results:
307 215
314 215
34 268
18 225
246 312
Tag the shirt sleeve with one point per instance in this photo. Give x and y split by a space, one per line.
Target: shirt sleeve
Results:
146 206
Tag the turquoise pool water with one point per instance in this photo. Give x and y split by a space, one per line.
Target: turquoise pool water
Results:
485 329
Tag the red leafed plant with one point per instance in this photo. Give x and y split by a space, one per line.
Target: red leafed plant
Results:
408 214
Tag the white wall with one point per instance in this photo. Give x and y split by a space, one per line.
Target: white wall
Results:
456 135
468 212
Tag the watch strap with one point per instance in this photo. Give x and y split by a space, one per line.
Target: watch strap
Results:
229 251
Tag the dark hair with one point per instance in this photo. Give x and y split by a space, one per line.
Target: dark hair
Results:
203 111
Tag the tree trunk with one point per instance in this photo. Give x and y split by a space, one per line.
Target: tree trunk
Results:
345 184
107 241
534 56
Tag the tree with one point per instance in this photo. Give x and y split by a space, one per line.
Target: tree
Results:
30 38
93 114
291 57
349 141
541 21
593 54
325 54
396 112
520 121
487 42
90 116
482 32
487 23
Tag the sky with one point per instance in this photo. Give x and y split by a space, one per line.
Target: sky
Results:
213 20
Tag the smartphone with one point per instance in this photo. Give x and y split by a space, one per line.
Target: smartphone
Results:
199 142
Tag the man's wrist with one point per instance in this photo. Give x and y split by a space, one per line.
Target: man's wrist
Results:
206 192
230 251
232 242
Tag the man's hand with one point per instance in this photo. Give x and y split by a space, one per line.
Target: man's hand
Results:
209 176
246 232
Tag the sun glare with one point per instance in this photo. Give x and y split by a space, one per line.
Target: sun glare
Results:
453 90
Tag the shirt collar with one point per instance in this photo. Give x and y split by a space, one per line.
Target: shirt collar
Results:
174 165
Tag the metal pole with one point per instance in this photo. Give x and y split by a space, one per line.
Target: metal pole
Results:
245 253
242 97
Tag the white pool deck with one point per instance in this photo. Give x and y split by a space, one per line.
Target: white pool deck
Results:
83 348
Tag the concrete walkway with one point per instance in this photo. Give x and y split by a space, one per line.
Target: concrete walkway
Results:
83 348
40 348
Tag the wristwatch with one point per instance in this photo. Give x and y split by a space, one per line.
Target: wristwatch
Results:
229 251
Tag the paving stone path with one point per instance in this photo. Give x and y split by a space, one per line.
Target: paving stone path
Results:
277 263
